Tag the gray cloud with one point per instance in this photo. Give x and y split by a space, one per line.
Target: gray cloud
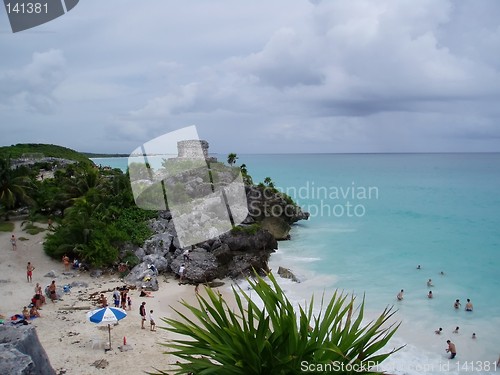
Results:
31 87
308 76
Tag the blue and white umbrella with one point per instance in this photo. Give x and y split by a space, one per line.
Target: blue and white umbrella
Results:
106 315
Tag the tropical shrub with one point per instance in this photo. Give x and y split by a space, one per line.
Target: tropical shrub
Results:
276 339
15 187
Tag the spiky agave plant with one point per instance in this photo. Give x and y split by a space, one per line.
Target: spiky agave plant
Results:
274 339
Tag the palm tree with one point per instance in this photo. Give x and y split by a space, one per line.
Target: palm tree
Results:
268 182
247 179
244 170
231 158
14 188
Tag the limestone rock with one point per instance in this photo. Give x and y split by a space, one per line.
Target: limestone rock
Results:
143 276
52 274
21 352
202 266
96 273
277 226
287 274
243 241
160 262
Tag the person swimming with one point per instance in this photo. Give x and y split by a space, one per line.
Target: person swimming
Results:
429 283
457 304
468 305
430 294
438 331
400 295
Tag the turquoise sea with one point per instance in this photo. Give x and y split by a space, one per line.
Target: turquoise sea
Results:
374 218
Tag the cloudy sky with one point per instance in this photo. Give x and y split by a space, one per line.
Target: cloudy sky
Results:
258 76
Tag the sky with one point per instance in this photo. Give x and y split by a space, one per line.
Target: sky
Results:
274 76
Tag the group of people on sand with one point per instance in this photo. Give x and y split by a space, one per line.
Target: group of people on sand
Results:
75 265
38 299
121 298
456 305
32 310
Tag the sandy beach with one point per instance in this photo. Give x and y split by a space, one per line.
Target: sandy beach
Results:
72 342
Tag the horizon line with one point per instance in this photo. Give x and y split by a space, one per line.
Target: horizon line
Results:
317 153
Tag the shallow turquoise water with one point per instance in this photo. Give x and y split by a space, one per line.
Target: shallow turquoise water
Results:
441 211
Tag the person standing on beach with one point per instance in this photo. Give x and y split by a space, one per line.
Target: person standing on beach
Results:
451 349
468 305
152 324
13 242
103 301
400 295
142 311
182 269
29 272
116 297
52 291
65 260
123 298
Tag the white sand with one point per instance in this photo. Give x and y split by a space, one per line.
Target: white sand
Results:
66 335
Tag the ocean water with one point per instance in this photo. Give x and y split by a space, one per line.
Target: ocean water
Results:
374 218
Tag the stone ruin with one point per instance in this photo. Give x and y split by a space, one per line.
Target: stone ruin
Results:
194 149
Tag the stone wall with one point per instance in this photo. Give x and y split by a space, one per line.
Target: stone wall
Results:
192 149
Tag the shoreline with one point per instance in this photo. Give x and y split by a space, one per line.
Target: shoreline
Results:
62 330
71 342
420 317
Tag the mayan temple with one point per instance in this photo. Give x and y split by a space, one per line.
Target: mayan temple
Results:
193 149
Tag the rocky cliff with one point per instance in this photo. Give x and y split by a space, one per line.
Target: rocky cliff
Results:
21 352
236 253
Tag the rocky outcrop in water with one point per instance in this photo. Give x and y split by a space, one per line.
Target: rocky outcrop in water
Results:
21 352
287 274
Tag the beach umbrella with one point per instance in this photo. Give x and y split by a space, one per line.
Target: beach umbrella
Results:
106 315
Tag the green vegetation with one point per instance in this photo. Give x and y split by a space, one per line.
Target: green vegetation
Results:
231 158
248 229
173 167
15 186
43 150
33 229
275 339
100 216
93 209
268 182
6 226
94 155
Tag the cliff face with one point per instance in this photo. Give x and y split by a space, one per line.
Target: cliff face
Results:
21 352
234 254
